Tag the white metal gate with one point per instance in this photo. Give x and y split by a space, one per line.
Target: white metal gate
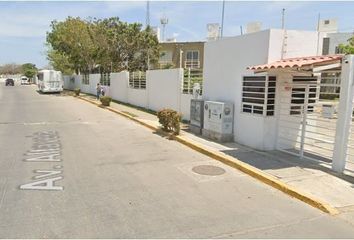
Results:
308 116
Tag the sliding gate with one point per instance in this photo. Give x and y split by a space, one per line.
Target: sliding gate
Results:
308 116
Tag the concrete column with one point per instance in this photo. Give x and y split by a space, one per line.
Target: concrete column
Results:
344 114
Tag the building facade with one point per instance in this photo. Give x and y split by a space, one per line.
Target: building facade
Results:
226 78
181 55
332 41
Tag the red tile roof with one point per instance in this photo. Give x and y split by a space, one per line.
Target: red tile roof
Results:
299 62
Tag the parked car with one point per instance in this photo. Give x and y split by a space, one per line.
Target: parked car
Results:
9 82
24 80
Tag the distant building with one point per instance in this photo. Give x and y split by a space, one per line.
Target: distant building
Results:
332 41
192 55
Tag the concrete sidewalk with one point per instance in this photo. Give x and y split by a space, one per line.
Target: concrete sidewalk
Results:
313 178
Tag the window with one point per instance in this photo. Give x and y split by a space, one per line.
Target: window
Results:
258 95
137 80
298 94
325 47
85 79
40 76
192 59
165 57
105 79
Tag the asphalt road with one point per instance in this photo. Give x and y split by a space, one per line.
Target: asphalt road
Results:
69 169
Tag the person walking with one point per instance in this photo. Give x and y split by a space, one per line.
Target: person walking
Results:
98 90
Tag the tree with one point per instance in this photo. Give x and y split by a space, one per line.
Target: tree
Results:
29 70
70 39
10 68
102 45
60 62
349 48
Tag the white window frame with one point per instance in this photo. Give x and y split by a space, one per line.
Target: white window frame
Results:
137 80
265 104
192 61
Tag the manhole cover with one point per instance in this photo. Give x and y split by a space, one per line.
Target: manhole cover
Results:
208 170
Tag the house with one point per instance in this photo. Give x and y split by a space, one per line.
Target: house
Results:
181 54
227 79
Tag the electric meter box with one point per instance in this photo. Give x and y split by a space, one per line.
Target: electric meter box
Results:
218 121
196 116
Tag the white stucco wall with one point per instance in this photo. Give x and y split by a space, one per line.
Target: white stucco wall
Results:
225 64
186 105
94 79
164 88
119 86
138 97
297 44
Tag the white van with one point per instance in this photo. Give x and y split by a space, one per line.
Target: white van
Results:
24 80
50 81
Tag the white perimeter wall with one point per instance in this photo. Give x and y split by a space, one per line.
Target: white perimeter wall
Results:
163 90
119 86
164 87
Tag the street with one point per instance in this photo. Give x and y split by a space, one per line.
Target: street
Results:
69 169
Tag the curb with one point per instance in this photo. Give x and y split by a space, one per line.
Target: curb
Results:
237 164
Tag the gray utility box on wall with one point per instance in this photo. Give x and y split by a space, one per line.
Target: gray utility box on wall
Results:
218 121
196 116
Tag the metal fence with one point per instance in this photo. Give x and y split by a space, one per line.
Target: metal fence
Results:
190 77
137 80
105 79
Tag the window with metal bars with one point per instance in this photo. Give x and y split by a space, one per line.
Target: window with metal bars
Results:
85 79
298 94
137 80
105 79
258 95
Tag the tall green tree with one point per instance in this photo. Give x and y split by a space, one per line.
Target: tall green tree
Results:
102 45
29 70
10 68
348 48
60 62
72 40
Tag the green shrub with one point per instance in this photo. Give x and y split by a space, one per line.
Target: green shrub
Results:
77 91
105 100
170 120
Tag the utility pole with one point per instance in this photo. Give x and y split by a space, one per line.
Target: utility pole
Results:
148 26
318 33
222 19
283 19
147 13
283 47
241 30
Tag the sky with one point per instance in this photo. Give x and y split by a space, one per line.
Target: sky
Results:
23 25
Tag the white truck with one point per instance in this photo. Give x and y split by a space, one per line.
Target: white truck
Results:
50 81
24 80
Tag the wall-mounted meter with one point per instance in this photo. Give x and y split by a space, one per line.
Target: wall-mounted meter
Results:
218 121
